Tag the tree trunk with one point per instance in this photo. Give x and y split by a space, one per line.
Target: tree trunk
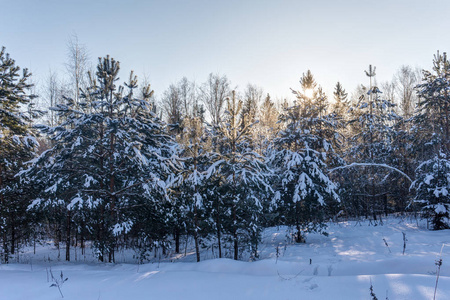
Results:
75 244
255 246
68 237
218 230
299 237
5 247
111 255
82 239
177 239
235 237
5 234
13 235
101 252
386 212
219 244
112 184
197 249
58 240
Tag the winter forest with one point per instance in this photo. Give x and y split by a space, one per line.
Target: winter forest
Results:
95 162
99 161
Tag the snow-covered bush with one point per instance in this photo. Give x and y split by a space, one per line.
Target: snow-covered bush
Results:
432 187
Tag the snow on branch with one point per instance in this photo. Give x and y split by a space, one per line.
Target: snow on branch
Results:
371 165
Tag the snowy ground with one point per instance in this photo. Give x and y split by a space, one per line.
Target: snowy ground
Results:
340 266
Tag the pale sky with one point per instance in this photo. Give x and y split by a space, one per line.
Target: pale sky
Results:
267 43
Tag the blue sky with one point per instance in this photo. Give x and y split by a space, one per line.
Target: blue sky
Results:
268 43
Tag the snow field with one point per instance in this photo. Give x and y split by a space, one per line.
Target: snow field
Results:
340 266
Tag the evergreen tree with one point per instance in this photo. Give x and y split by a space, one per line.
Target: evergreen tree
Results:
243 179
402 157
111 163
300 157
431 132
433 115
432 187
372 124
193 191
17 146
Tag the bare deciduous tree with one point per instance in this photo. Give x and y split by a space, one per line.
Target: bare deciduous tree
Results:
405 80
178 101
52 93
389 89
187 95
252 98
213 93
172 105
77 65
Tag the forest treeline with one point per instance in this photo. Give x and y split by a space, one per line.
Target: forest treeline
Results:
106 165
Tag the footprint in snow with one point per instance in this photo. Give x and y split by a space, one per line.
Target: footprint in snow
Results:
307 279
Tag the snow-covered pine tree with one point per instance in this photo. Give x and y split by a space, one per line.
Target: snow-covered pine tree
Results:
432 187
213 200
432 140
243 176
17 145
372 124
299 155
196 158
432 118
402 157
111 162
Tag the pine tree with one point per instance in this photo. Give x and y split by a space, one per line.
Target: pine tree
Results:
372 124
433 115
431 132
111 164
432 187
17 146
300 155
193 191
243 178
